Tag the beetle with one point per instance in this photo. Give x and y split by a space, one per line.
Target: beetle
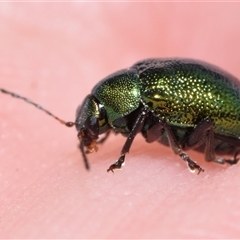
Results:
181 103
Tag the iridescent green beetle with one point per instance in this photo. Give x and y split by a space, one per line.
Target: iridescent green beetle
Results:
185 104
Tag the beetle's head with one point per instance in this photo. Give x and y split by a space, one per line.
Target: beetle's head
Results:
90 122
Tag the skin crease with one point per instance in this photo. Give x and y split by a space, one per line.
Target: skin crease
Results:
54 53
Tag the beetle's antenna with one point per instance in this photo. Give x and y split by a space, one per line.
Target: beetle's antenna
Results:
81 146
68 124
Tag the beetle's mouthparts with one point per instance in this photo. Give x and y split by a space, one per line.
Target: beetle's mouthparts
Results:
92 147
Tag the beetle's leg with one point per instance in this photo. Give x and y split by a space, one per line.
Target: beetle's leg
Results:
193 166
204 133
236 145
138 125
233 161
154 133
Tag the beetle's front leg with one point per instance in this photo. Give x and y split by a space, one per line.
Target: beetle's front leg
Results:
143 113
118 164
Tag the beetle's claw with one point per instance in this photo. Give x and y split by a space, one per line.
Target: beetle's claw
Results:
194 166
111 169
199 169
233 161
114 166
118 164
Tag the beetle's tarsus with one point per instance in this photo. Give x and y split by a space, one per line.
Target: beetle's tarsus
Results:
110 169
118 164
232 161
235 160
193 166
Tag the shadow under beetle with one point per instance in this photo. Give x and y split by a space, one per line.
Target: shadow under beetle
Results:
182 103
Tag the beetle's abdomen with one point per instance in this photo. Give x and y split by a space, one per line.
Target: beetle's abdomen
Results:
184 91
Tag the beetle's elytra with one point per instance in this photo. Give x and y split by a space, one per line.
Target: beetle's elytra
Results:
182 103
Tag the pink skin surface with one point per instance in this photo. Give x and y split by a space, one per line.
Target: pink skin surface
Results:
54 53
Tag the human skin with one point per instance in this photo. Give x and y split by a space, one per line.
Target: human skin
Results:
54 53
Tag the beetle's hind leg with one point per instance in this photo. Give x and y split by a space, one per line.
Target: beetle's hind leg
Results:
203 133
233 161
